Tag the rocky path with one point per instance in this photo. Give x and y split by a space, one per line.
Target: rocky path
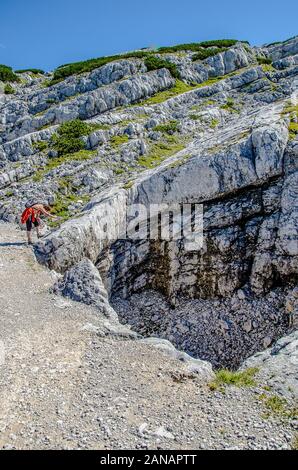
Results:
63 385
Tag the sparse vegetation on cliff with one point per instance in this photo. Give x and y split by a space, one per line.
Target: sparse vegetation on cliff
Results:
68 137
8 89
153 63
33 71
7 74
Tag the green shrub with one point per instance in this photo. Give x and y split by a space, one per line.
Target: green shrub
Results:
8 89
7 74
268 68
167 128
194 117
214 123
264 60
65 144
68 137
205 53
197 46
40 146
153 63
128 185
34 71
75 128
229 105
293 130
238 379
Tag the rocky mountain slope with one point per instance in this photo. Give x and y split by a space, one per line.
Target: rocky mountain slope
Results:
215 124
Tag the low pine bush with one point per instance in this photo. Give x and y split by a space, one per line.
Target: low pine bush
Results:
205 53
7 74
75 128
197 46
153 63
68 137
167 128
264 60
8 89
34 71
64 144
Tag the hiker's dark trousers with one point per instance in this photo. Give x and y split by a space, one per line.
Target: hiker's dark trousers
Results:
29 224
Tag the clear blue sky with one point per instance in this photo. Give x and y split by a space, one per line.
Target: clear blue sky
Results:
45 34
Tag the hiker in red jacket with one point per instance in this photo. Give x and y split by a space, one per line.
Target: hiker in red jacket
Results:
31 217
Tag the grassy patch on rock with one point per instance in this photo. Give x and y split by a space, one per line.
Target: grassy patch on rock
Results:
160 151
275 405
195 117
128 185
61 207
168 127
214 123
292 111
229 106
225 377
53 163
268 68
179 88
118 140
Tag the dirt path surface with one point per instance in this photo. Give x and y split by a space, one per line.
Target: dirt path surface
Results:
64 386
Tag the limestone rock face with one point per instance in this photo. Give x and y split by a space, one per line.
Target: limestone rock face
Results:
229 61
105 75
279 366
282 50
83 283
